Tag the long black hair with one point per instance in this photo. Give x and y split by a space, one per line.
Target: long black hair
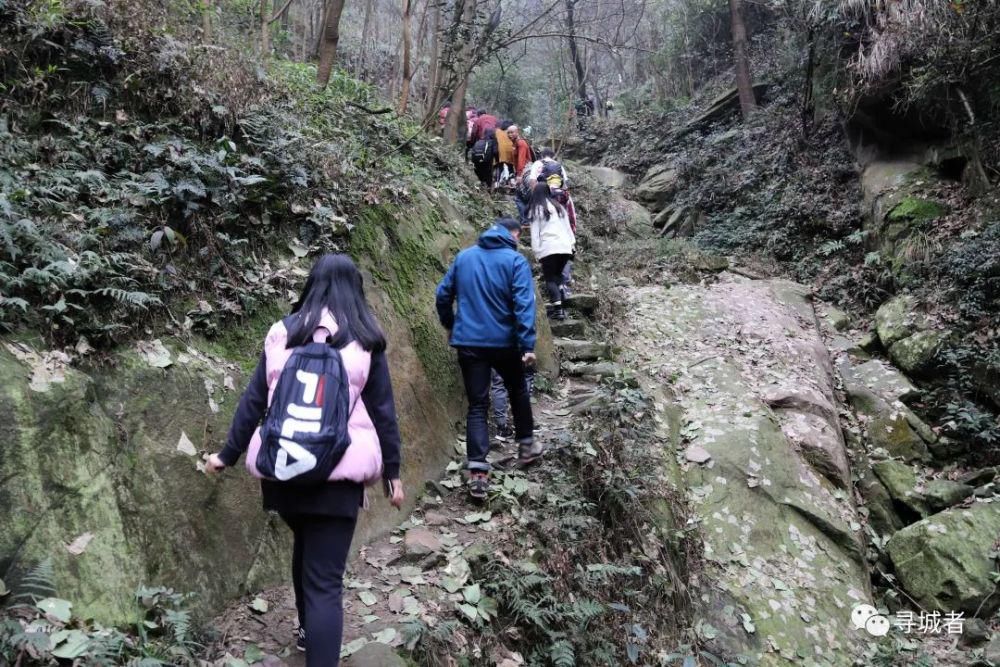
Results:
541 196
335 284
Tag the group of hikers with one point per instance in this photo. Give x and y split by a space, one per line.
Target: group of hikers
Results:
318 423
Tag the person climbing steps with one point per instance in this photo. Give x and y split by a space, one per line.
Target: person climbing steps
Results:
552 239
492 329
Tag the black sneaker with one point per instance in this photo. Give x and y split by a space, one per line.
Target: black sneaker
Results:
505 431
300 639
479 485
529 451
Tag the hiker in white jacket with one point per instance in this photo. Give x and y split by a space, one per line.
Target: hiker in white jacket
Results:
552 241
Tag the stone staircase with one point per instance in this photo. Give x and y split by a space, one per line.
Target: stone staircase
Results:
580 355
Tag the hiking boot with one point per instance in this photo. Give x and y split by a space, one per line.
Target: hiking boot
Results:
555 311
529 451
479 485
505 431
300 639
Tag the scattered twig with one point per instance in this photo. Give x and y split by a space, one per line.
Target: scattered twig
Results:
702 360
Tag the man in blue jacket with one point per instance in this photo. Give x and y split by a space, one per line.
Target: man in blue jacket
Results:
492 328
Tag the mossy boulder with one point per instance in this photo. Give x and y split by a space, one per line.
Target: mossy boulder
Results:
940 494
882 516
916 354
880 379
899 318
630 218
658 186
946 562
916 209
901 483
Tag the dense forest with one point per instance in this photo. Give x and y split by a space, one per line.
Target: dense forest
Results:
775 400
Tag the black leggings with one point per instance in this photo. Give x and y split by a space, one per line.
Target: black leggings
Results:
552 274
319 558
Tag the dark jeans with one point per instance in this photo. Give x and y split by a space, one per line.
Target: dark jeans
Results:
477 364
498 399
484 172
552 273
522 208
319 557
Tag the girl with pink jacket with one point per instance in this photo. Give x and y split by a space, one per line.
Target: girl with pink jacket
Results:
322 516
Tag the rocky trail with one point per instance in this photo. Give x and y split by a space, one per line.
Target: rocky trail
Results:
811 485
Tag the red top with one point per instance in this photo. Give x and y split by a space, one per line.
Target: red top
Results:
522 155
482 123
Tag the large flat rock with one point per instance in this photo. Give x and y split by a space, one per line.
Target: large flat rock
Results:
754 385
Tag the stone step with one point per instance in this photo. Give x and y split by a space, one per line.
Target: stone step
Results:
568 328
583 303
581 350
596 371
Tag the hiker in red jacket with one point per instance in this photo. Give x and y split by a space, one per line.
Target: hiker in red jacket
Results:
484 126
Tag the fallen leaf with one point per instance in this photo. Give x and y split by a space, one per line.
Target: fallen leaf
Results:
697 454
56 608
412 607
353 647
259 605
472 594
252 653
386 636
298 249
185 446
469 611
154 353
396 603
70 644
79 545
367 597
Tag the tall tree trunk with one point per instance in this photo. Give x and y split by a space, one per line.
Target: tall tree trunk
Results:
435 65
286 18
808 101
328 44
207 9
404 94
265 28
741 58
581 76
459 52
319 21
366 34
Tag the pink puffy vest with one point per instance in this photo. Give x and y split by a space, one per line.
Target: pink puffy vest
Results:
362 461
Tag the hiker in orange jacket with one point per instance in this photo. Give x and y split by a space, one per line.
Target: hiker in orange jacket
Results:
503 170
522 151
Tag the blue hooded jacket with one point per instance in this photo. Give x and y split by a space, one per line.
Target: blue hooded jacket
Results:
496 296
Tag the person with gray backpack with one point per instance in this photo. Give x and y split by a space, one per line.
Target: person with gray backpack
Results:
318 424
